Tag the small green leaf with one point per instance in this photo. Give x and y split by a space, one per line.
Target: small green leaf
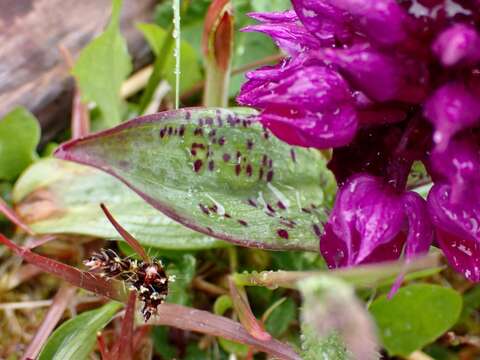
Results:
189 62
183 270
59 197
19 136
218 171
75 338
416 316
280 319
102 66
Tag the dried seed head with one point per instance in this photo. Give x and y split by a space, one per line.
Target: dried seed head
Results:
148 279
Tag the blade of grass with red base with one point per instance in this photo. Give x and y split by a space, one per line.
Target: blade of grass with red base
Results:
244 312
126 235
51 319
123 349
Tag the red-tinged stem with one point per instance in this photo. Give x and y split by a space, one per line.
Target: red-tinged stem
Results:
102 347
186 318
53 316
123 349
80 122
140 333
126 235
112 289
244 312
217 49
13 217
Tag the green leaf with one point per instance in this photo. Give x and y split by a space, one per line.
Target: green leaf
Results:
183 270
59 197
335 323
19 137
189 62
416 316
270 6
75 339
280 319
102 66
219 172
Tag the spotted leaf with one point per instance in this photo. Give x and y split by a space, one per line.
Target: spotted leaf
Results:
219 172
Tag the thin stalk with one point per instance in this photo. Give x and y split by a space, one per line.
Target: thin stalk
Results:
207 323
360 276
176 52
60 302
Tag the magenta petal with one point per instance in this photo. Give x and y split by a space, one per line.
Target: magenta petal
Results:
291 37
323 20
379 75
383 21
458 229
274 17
420 228
458 166
451 109
458 43
367 215
321 130
307 106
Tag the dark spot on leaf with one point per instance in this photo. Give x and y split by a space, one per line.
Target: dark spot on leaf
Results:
209 121
270 163
193 152
214 208
305 210
249 144
252 202
316 230
198 145
197 165
242 222
198 132
209 229
281 205
204 209
249 170
283 233
200 122
181 132
293 155
221 141
270 176
238 169
162 133
264 160
227 215
226 157
270 208
188 115
260 174
211 165
212 133
170 130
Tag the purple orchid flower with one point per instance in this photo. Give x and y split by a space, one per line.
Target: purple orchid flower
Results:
371 222
384 83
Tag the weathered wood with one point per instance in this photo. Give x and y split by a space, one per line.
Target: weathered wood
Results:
32 70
